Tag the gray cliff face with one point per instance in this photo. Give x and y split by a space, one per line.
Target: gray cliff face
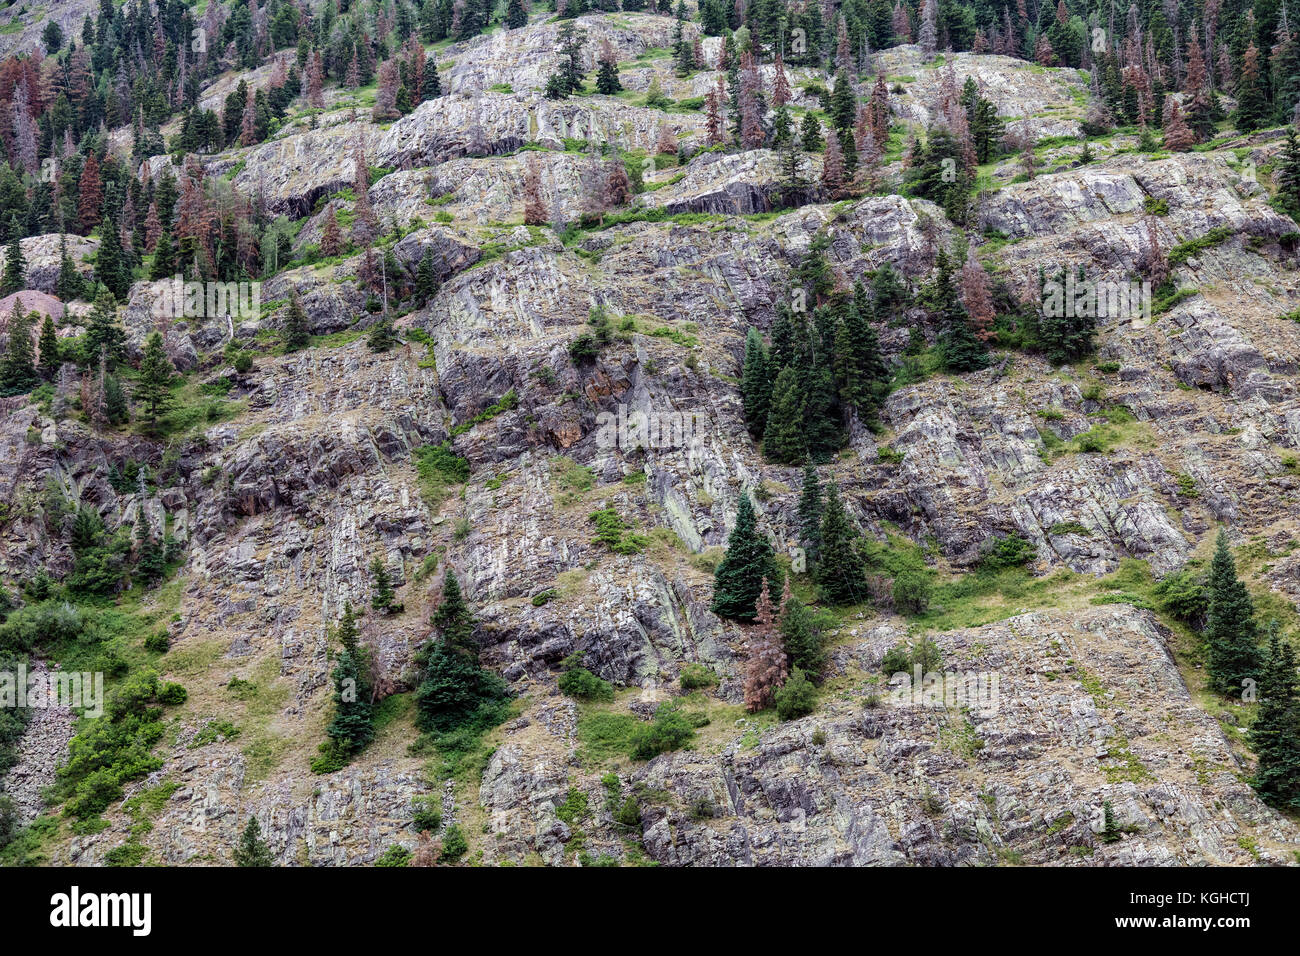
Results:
280 506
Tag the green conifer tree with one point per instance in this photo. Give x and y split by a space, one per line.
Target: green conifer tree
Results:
103 335
69 285
1231 635
50 357
252 849
738 580
1275 734
295 332
803 639
961 350
18 368
840 574
15 272
116 408
382 599
607 81
164 258
810 134
352 726
111 269
426 279
454 621
755 383
382 338
153 388
1287 173
860 371
150 560
784 437
810 513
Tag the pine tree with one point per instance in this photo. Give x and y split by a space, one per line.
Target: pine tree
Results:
1178 135
18 368
103 334
810 513
803 640
1231 636
860 370
382 599
117 411
426 279
432 81
755 383
150 555
749 562
111 270
810 134
1065 337
453 619
69 284
454 691
295 332
840 574
382 338
844 103
785 434
516 16
49 350
1275 734
1252 98
976 296
15 273
833 167
1109 828
252 849
90 194
1287 174
607 81
683 50
164 257
962 351
153 389
352 726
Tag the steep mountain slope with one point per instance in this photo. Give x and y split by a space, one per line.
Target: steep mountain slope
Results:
311 469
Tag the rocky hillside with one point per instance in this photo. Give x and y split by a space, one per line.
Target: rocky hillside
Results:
281 481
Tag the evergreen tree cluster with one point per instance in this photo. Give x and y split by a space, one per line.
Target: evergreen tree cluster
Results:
822 368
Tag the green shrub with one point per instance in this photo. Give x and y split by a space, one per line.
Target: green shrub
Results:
395 855
628 814
577 681
905 658
912 591
172 694
428 815
454 845
897 660
574 807
797 698
615 534
696 675
159 642
108 752
671 730
1184 595
439 461
1007 551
